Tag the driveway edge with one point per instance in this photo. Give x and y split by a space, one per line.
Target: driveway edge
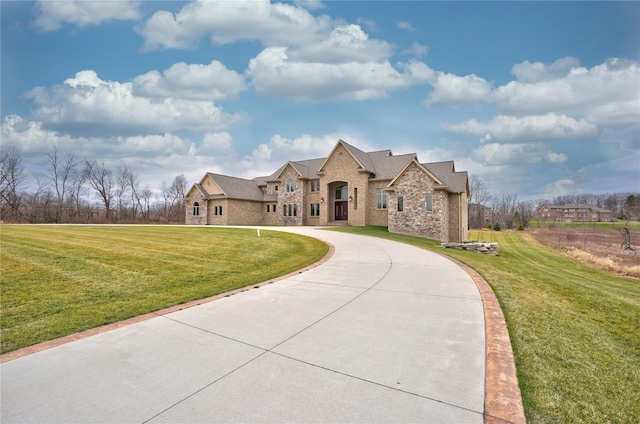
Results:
29 350
502 396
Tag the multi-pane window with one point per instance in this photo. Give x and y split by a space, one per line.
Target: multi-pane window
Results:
428 201
315 209
217 210
382 199
290 210
341 193
196 209
315 185
400 203
291 186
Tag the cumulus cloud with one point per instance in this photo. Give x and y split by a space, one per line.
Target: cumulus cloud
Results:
345 44
453 90
310 4
52 15
228 21
197 82
605 94
273 73
528 128
527 72
88 105
512 154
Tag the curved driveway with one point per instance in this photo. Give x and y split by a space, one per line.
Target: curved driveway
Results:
381 332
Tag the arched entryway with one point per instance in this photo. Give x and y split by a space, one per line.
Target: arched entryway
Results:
341 202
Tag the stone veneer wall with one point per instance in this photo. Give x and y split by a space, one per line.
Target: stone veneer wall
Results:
294 198
413 185
190 218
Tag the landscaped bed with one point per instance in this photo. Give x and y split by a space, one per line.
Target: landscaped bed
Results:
58 280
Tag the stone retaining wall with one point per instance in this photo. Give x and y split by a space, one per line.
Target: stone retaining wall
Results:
486 247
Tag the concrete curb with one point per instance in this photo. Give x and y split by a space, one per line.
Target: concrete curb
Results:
502 397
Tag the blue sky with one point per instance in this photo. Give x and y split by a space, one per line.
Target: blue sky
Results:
537 99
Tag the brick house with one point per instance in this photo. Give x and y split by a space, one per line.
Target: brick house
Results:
573 213
349 187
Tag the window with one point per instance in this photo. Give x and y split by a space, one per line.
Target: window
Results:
355 198
315 209
400 203
268 208
290 186
295 210
274 208
284 210
196 209
275 188
217 210
428 201
290 210
341 193
382 199
315 185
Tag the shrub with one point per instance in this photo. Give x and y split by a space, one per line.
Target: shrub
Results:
496 226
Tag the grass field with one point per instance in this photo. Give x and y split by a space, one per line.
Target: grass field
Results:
58 280
575 329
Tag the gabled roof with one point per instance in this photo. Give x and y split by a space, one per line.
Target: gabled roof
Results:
381 165
457 182
362 158
198 187
237 188
414 161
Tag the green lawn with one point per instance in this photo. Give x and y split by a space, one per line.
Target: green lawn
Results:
58 280
575 330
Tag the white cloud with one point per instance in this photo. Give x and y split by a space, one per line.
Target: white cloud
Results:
452 90
527 72
198 82
88 105
492 154
345 44
228 21
561 187
273 73
416 49
216 143
527 128
605 94
51 15
406 26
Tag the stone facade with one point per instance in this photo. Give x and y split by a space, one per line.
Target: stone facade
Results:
349 186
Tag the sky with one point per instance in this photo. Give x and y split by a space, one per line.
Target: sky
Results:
537 99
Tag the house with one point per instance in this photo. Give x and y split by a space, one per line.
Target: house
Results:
573 212
349 187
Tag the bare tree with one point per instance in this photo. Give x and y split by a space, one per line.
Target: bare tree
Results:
100 178
12 179
62 172
479 199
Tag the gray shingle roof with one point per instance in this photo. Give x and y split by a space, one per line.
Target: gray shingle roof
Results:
382 165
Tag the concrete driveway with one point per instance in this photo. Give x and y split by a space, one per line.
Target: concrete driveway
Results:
381 332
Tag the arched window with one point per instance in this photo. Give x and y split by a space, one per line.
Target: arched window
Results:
341 193
196 209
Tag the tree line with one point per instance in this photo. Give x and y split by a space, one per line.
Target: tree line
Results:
73 190
510 213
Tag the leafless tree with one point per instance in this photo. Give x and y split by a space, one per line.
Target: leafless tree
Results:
12 180
100 178
479 199
62 171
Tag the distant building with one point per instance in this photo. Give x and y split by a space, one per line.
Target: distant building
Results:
573 213
479 215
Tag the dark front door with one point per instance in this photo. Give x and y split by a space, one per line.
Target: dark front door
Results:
342 211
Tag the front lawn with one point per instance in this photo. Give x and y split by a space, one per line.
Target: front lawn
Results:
58 280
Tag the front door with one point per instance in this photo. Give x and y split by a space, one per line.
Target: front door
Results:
342 211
